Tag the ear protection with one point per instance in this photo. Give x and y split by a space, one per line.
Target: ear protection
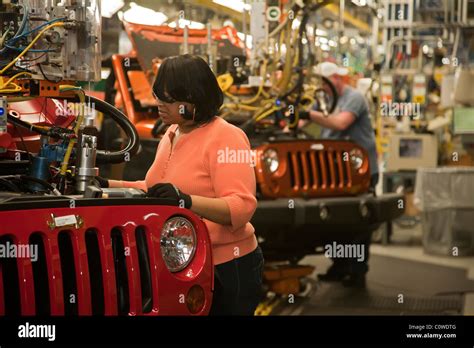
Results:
188 115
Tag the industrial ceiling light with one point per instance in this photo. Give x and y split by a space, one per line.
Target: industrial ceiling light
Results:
296 24
142 15
321 32
359 2
236 5
325 47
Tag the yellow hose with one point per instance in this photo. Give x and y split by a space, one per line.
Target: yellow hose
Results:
240 106
225 81
19 99
297 118
9 90
82 98
9 65
267 113
4 86
16 76
283 83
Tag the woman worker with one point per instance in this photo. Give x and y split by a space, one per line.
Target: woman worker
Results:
188 168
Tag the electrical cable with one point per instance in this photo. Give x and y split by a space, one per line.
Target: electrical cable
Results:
55 20
44 75
8 66
4 88
21 27
16 76
33 128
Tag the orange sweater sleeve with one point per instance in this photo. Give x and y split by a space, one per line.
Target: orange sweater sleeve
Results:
233 182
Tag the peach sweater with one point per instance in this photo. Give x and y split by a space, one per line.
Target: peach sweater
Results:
197 166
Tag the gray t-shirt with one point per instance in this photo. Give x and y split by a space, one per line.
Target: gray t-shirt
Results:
360 130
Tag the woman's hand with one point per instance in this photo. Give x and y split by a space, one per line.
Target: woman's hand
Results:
171 192
214 209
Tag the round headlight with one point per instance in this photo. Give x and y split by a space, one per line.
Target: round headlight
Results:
357 158
270 157
178 243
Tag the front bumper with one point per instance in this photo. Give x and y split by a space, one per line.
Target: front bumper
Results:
363 210
289 229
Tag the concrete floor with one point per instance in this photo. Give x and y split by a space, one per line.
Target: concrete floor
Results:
402 280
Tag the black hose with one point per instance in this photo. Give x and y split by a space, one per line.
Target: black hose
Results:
9 185
16 121
298 87
299 84
105 156
31 179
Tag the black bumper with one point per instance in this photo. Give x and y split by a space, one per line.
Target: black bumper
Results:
364 209
289 229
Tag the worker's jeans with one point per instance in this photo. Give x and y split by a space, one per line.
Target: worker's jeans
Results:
353 266
238 285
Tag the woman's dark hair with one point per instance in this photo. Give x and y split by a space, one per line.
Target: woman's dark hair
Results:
188 78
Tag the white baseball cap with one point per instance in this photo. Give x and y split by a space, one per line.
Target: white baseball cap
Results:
328 69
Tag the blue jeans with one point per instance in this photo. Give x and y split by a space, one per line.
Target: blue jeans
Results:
238 285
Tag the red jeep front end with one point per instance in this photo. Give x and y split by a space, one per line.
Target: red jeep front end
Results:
101 257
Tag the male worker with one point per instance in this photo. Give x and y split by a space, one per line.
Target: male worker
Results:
349 121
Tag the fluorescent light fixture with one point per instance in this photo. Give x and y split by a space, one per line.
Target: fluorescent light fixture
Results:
104 73
321 32
359 2
110 7
185 22
142 15
236 5
296 24
323 40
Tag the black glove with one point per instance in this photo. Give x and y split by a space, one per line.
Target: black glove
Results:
172 192
304 115
101 182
